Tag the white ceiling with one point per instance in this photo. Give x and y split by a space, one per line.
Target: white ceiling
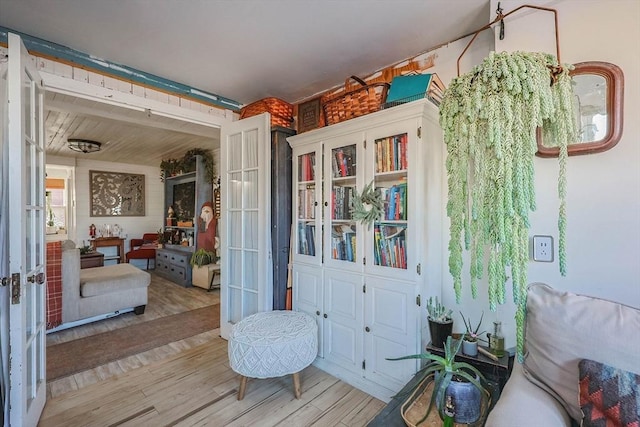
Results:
244 49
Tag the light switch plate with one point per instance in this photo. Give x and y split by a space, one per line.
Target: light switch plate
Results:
543 248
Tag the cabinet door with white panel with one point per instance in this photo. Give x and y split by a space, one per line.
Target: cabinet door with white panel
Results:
308 296
391 318
343 319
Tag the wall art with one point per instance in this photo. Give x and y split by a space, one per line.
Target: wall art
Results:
116 194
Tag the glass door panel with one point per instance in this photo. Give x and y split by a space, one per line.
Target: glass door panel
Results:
343 161
307 194
390 232
246 284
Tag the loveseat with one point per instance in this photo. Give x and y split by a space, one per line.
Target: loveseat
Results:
565 336
98 291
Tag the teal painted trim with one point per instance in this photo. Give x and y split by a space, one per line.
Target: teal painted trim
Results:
38 46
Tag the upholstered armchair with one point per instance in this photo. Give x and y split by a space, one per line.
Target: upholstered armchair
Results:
144 248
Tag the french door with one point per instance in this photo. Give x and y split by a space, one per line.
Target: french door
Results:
246 279
23 164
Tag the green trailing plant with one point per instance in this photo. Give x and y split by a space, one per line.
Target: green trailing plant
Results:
472 334
170 167
489 117
202 257
368 206
446 369
189 162
438 312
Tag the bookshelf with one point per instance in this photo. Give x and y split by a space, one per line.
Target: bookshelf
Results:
363 282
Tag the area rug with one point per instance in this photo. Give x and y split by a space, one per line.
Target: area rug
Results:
86 353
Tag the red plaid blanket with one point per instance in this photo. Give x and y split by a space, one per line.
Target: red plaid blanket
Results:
54 284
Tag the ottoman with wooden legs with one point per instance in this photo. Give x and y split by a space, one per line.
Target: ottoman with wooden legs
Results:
273 344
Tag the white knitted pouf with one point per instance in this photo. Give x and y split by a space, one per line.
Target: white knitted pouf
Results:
272 344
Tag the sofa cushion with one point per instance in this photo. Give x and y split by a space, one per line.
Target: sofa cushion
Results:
563 328
111 278
608 396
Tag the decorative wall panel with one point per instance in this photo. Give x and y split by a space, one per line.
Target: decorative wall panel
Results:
116 194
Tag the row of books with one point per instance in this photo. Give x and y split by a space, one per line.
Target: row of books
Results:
395 201
306 165
341 198
344 161
307 238
391 153
390 246
343 243
306 203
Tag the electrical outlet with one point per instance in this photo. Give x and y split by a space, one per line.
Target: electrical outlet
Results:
543 248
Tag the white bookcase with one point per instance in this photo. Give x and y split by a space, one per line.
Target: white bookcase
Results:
363 283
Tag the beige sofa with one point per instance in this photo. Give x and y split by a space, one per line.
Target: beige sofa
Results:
92 292
561 329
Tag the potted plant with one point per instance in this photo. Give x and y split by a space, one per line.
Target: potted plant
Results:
161 240
189 162
471 336
440 322
170 167
464 383
478 130
202 275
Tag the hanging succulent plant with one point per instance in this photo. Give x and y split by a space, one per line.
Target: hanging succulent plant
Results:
489 117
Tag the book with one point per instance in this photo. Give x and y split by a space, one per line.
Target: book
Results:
412 87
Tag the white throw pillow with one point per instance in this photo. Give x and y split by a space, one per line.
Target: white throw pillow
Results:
563 328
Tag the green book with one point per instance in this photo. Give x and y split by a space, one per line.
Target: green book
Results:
407 88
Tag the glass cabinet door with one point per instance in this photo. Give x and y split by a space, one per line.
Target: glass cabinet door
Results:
308 196
391 165
341 171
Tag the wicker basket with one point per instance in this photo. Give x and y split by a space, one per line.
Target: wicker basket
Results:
355 102
281 111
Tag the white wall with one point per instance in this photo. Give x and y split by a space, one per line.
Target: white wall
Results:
603 235
132 226
446 64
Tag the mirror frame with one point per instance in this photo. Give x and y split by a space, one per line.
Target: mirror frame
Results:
614 79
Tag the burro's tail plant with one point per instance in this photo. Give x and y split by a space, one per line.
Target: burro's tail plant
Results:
489 117
438 312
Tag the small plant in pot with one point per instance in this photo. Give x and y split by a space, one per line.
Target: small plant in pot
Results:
460 380
471 336
440 322
201 275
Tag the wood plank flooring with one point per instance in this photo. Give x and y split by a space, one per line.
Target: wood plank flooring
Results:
190 383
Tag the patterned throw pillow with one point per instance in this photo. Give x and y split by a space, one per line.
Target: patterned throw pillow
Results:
609 397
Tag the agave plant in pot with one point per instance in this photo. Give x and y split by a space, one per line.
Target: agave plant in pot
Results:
440 322
443 379
471 337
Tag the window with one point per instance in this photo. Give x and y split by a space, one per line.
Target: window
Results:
56 203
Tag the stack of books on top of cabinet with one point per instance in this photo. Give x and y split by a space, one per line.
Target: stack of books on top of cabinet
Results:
413 87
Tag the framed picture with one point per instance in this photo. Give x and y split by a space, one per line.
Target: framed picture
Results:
116 194
309 115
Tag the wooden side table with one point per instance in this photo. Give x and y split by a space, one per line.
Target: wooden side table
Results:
103 242
92 259
496 372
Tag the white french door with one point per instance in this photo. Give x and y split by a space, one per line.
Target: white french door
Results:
246 279
23 163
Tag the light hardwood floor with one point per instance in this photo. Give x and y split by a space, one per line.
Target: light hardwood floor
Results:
189 382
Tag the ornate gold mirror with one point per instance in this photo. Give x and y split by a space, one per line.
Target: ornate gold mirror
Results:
598 95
